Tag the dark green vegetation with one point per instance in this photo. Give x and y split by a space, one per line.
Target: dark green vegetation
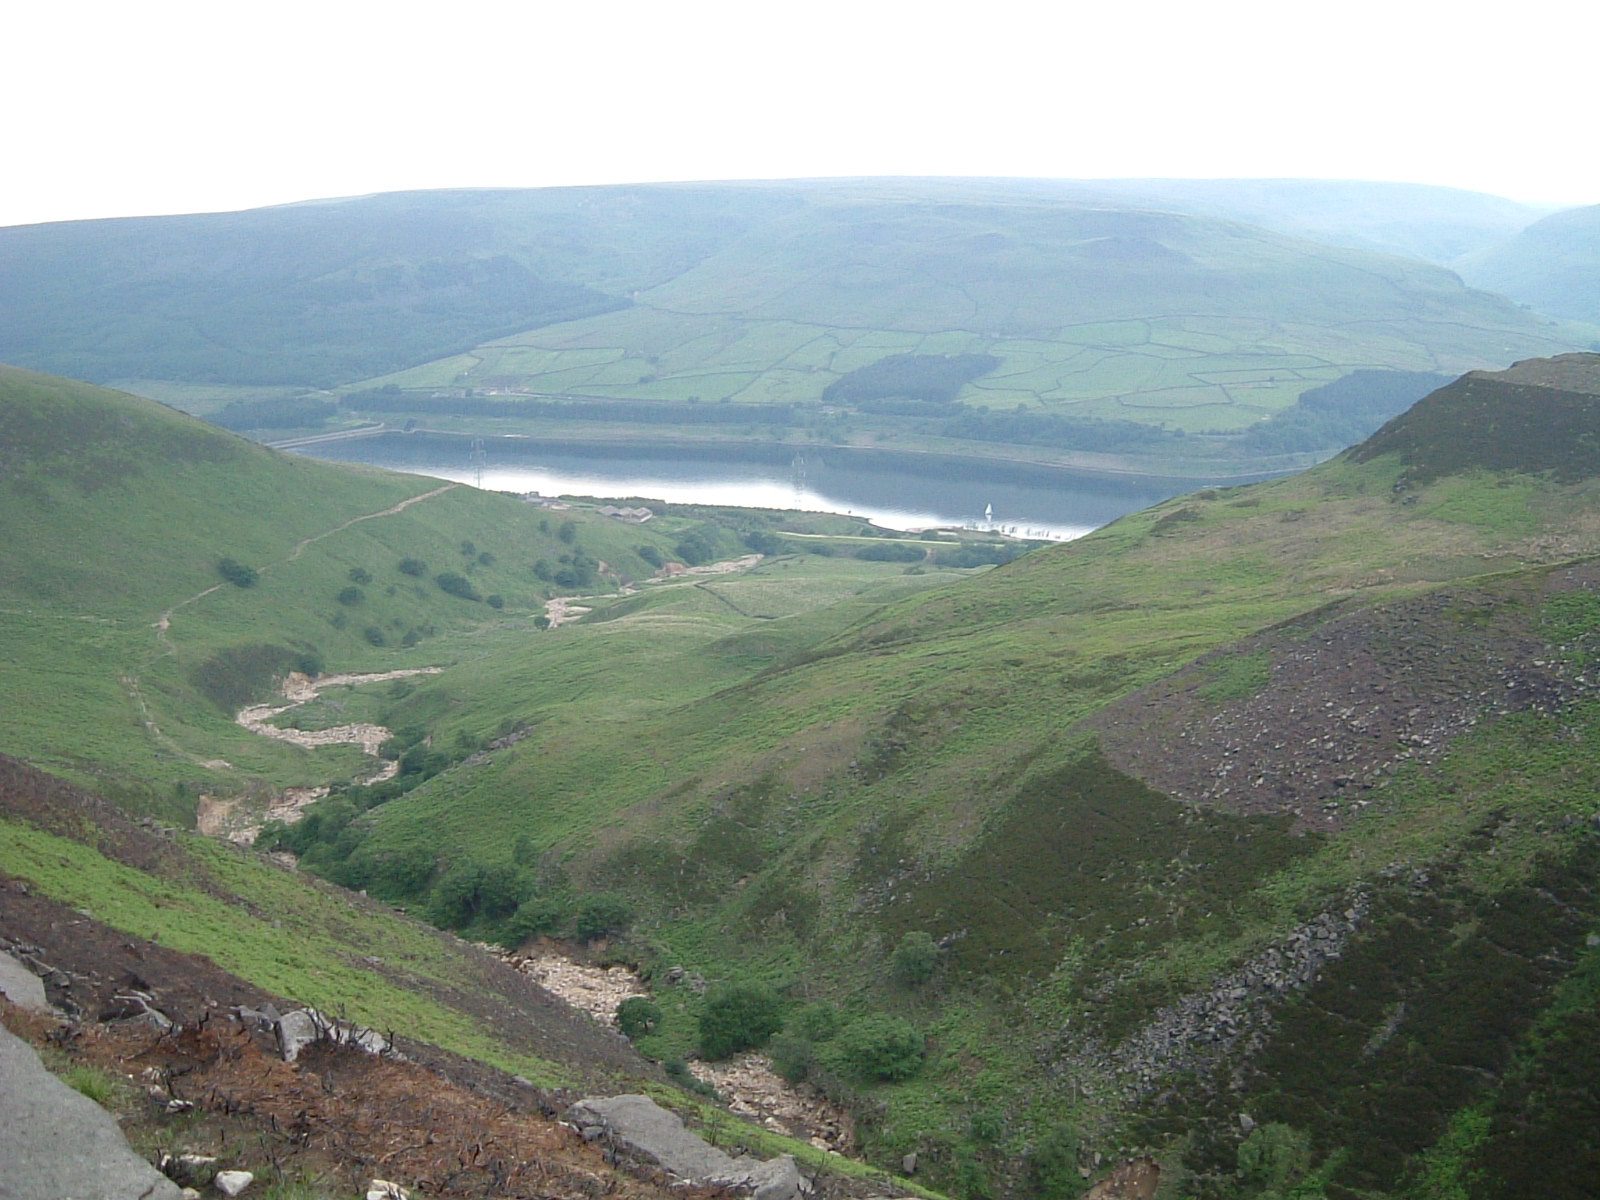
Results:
1275 801
914 315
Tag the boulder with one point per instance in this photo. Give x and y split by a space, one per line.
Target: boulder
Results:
305 1026
231 1183
638 1128
20 985
55 1142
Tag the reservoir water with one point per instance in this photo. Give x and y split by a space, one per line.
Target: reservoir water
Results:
884 489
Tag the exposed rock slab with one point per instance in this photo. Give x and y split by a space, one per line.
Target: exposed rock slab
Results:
57 1143
20 985
640 1129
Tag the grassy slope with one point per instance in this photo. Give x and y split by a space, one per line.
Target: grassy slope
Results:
926 769
116 513
784 798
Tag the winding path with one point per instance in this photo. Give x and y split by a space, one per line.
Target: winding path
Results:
163 623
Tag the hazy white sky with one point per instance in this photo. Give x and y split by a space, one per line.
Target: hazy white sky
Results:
116 108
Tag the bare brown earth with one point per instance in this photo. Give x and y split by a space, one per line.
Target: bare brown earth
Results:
436 1123
1353 694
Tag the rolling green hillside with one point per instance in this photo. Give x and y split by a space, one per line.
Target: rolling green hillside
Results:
1254 832
1096 315
1159 798
1119 314
128 648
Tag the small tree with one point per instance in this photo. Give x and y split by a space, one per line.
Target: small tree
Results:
737 1016
413 566
637 1016
351 595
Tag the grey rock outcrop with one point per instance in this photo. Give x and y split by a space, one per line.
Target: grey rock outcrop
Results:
20 985
306 1026
639 1129
55 1142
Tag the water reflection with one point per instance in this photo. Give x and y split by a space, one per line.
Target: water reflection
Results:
1053 506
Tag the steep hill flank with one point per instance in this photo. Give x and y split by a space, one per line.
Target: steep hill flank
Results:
1553 265
1313 718
1538 416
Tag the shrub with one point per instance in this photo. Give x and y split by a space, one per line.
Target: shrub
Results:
914 959
374 635
1053 1164
987 1126
237 573
792 1056
534 916
413 566
818 1022
456 585
470 891
737 1016
351 595
600 915
892 552
695 549
678 1071
360 575
651 555
881 1047
1274 1156
495 601
637 1016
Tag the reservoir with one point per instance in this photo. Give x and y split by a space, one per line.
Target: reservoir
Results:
893 491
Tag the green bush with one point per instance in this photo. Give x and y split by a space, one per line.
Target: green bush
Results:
601 915
351 595
914 959
472 891
737 1016
650 555
637 1016
881 1047
534 916
237 573
413 566
1053 1164
1274 1157
818 1022
456 585
360 575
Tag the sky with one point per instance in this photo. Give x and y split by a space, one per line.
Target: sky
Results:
119 109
